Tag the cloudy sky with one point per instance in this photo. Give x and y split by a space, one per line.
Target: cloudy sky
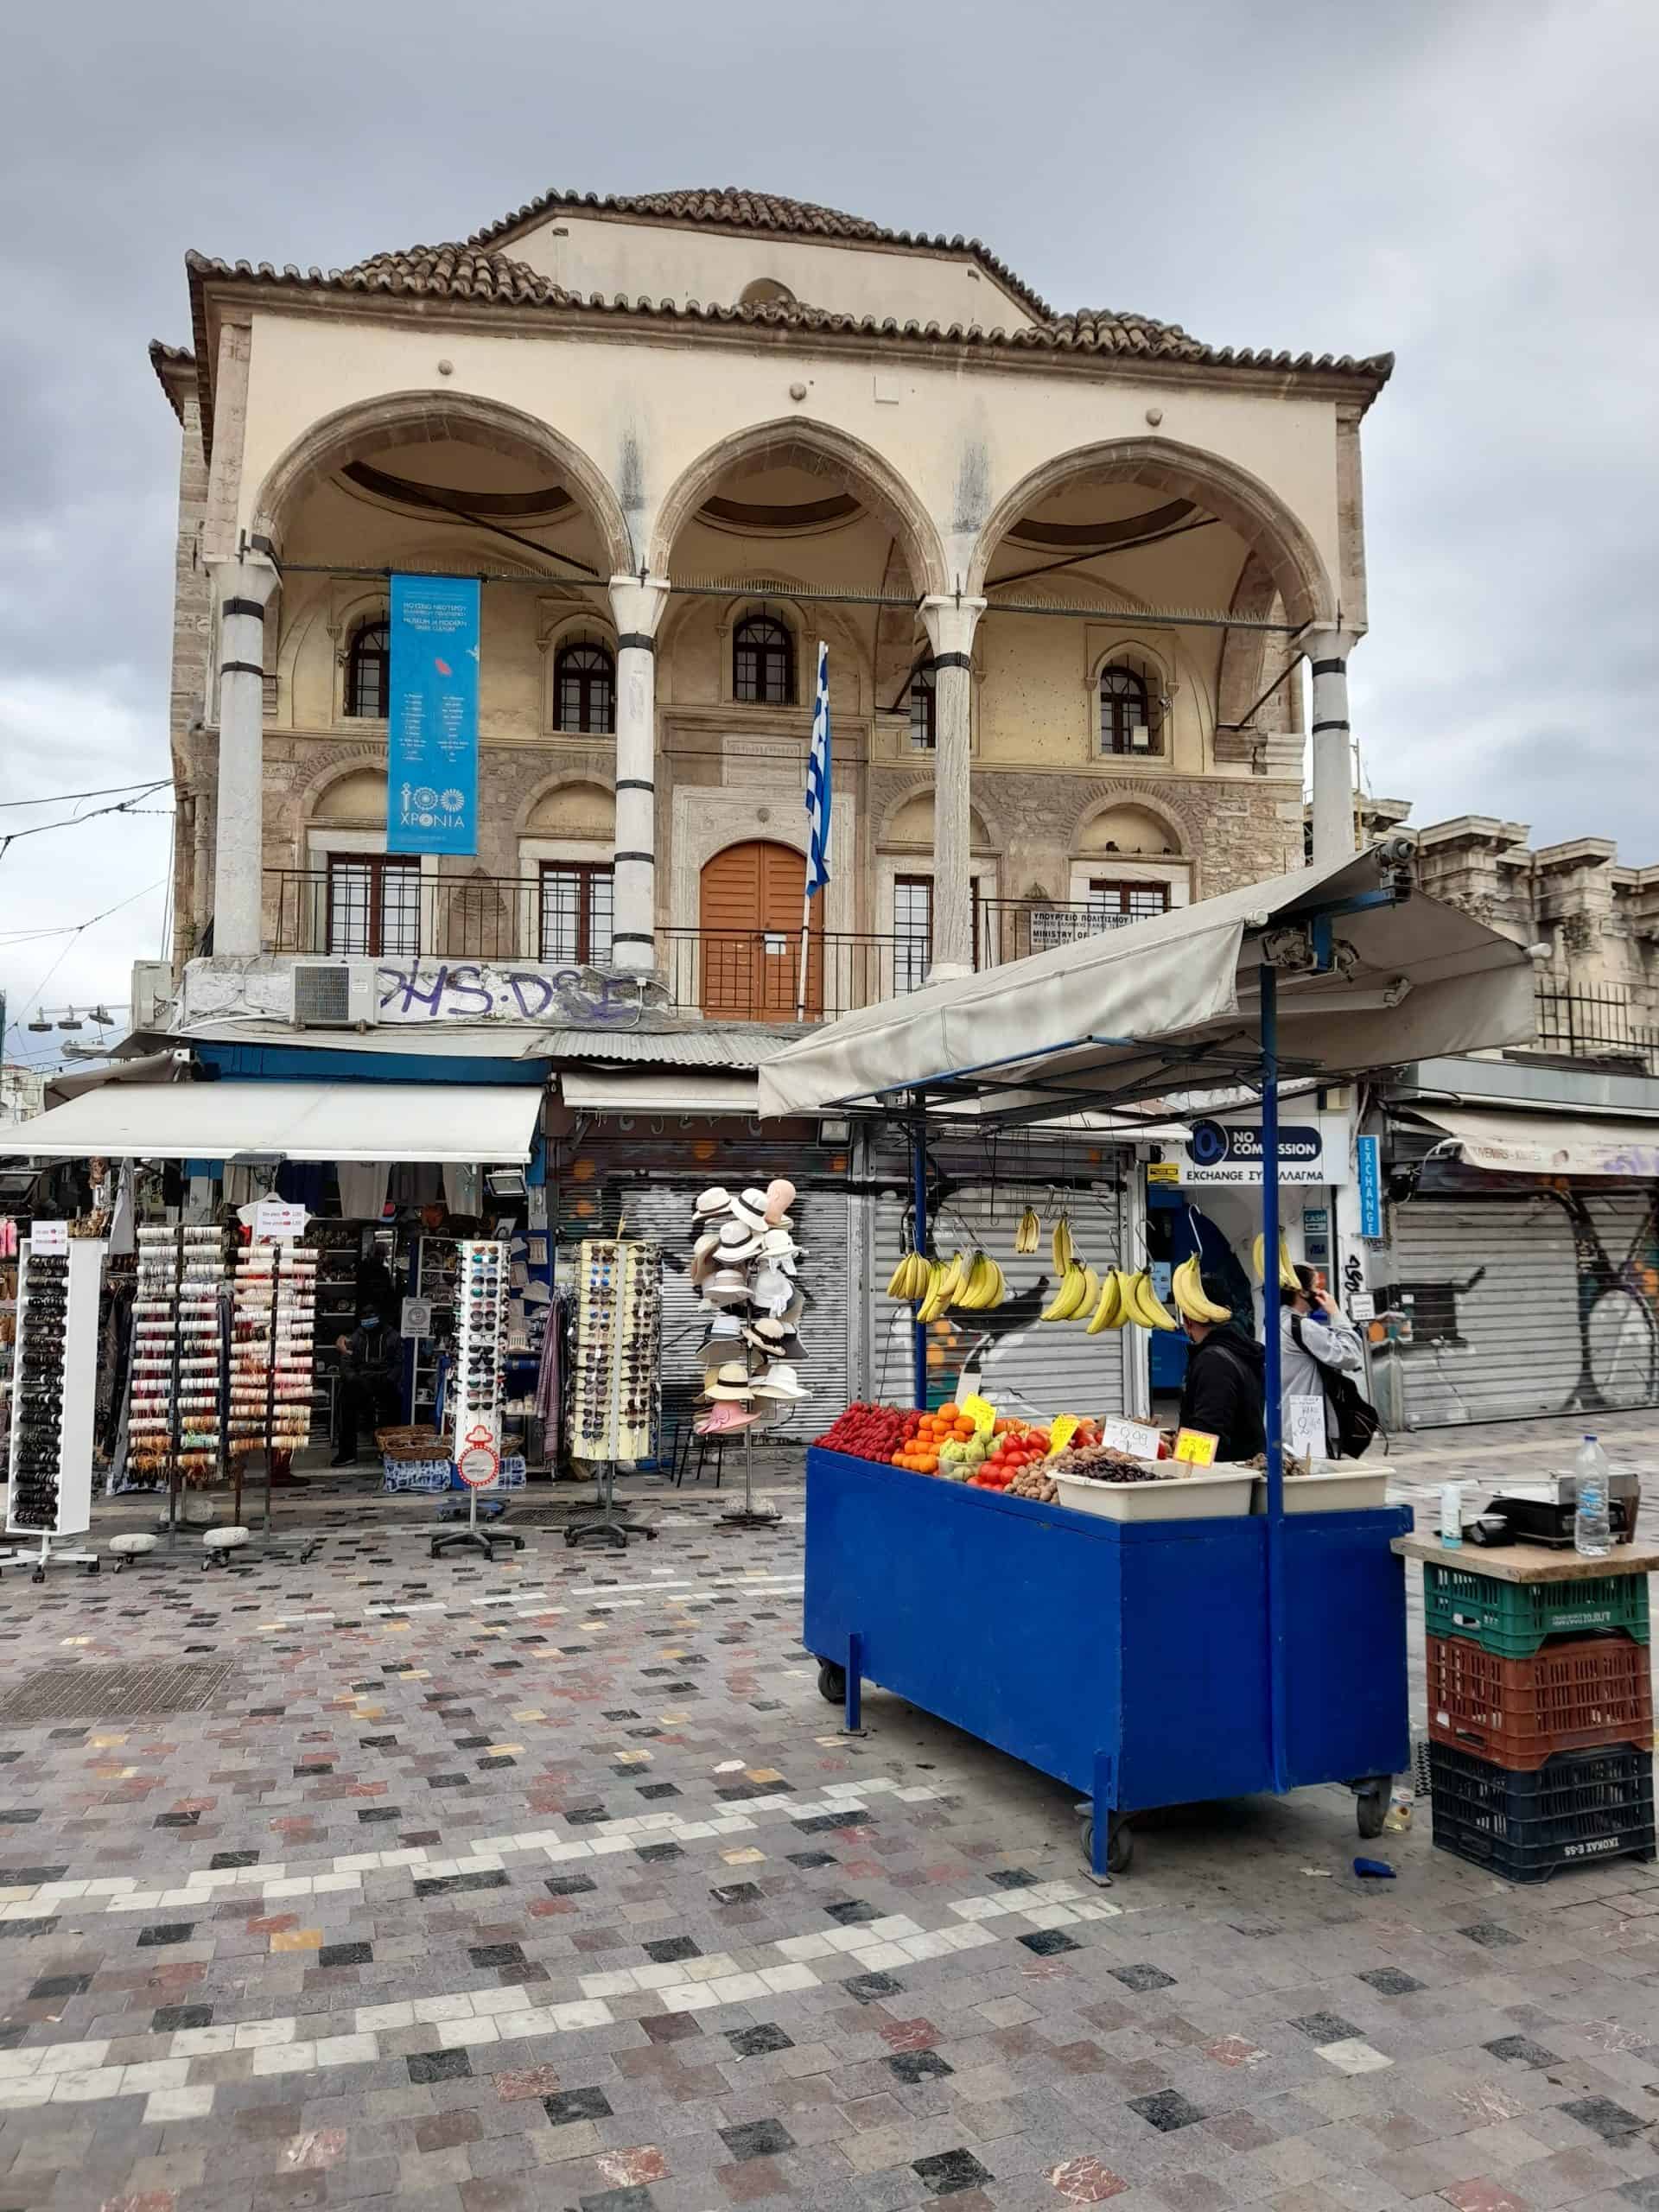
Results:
1471 183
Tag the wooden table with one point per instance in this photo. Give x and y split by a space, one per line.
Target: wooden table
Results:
1529 1563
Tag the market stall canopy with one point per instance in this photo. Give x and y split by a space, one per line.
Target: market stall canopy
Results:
1547 1144
473 1124
1171 1005
647 1091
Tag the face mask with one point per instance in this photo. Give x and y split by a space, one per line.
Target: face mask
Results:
370 1321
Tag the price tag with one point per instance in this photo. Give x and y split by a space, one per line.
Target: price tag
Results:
1196 1447
1061 1430
276 1221
1138 1438
982 1412
49 1240
1305 1427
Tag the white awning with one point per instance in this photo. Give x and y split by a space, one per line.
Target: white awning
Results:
647 1091
473 1124
1170 1005
1548 1144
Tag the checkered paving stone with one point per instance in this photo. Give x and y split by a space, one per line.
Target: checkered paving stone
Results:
551 1883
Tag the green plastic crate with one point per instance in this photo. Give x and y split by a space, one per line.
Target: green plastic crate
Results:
1515 1619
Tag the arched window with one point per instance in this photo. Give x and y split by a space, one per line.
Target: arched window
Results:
1125 717
763 662
924 699
584 689
766 292
368 669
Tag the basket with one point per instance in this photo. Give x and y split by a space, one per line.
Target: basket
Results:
1518 1712
1515 1618
1577 1808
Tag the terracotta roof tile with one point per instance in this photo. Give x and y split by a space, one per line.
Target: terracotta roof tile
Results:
728 206
172 365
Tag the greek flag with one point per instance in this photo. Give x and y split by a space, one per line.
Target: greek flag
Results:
817 782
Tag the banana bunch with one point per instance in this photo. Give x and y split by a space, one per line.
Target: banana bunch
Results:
1288 1276
1060 1245
910 1280
984 1287
1110 1312
1079 1287
1121 1298
1187 1291
1144 1304
1025 1236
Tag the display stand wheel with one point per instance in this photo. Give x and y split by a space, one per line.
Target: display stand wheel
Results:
218 1544
1371 1804
832 1681
1120 1843
132 1546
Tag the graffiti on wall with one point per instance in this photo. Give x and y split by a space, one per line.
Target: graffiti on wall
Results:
472 990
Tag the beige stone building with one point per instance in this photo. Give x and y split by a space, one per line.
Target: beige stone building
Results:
1066 567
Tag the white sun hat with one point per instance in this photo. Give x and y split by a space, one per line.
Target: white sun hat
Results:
779 1381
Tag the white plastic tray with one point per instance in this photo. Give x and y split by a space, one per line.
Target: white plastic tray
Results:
1202 1496
1335 1486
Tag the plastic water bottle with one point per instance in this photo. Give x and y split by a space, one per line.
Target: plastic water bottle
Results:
1451 1515
1592 1529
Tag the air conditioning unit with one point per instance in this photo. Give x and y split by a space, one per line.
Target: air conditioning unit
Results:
152 994
334 994
1140 738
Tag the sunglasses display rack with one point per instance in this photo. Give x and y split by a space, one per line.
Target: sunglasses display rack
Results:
477 1387
174 1425
272 1350
616 1372
433 1276
54 1385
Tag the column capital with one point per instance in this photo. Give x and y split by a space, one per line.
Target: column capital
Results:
253 577
951 622
1328 641
637 605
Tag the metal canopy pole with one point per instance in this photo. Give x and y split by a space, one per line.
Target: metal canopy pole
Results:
1274 1409
918 1204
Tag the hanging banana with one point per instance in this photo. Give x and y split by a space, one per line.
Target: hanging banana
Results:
1186 1288
1109 1311
1060 1246
1288 1279
1026 1236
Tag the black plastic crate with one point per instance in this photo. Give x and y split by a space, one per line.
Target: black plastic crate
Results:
1577 1807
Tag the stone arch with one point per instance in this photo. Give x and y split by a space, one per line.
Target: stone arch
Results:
1242 674
403 418
824 450
525 824
1155 800
1135 831
1232 493
341 782
984 836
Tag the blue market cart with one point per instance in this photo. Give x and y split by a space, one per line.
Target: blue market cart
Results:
1144 1663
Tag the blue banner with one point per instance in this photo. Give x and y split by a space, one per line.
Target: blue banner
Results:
1368 1160
432 737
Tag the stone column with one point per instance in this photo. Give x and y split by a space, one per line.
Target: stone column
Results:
1327 651
951 626
242 590
636 608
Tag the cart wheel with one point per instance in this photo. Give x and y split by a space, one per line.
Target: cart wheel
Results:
1120 1844
92 1566
832 1682
116 1568
570 1539
1370 1805
38 1575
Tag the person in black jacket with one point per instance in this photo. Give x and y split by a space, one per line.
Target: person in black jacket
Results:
1225 1392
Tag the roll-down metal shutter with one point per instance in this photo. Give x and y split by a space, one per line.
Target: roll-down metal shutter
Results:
1543 1303
1026 1366
663 1213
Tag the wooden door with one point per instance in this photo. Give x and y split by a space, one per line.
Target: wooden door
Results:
750 923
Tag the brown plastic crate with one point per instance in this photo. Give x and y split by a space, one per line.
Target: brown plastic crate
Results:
1517 1713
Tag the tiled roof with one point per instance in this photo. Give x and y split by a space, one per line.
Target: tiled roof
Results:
729 207
171 364
457 272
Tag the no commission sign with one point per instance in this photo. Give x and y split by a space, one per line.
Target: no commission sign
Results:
1230 1152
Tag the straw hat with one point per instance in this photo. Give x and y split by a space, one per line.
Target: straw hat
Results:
772 1290
751 1210
715 1200
731 1381
726 1286
737 1241
725 1415
779 1196
779 1381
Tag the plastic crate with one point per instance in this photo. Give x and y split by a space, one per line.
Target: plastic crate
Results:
1579 1807
1518 1712
1515 1618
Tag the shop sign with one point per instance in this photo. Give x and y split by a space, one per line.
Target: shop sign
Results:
1164 1171
432 733
1362 1307
1368 1161
417 1318
49 1239
1230 1152
277 1222
478 1461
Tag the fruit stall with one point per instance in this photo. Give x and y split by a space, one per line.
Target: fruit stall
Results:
1147 1631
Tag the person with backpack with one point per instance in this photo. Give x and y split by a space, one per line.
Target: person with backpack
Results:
1320 1355
1224 1394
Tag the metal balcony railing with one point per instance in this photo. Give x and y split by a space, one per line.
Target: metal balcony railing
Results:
1592 1025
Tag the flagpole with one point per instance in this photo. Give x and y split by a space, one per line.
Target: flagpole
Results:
818 841
806 939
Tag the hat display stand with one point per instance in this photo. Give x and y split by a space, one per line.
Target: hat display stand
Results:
747 1285
617 1376
749 1515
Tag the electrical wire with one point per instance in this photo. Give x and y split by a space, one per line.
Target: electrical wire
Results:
62 798
80 931
73 821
